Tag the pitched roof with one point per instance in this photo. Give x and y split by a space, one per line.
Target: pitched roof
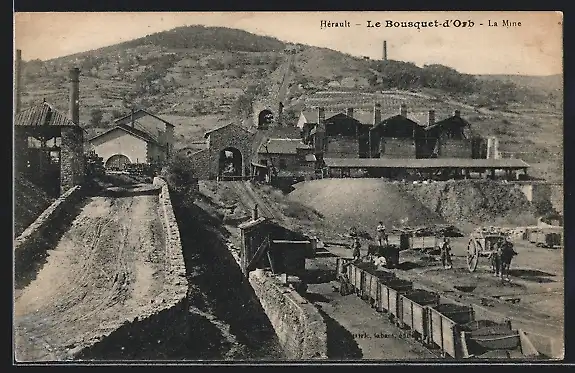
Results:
457 120
138 114
224 126
425 163
41 115
131 130
282 146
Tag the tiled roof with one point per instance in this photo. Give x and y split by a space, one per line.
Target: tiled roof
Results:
282 146
424 163
224 126
138 114
41 115
132 130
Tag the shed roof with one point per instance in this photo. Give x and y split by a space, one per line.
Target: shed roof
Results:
424 163
252 223
41 115
282 146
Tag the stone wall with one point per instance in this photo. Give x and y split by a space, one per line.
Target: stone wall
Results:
299 326
397 148
162 322
71 158
32 242
454 148
342 147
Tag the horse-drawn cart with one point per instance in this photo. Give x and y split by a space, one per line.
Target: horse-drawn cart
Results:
483 242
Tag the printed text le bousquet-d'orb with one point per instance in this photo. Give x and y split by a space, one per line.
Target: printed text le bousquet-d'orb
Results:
456 23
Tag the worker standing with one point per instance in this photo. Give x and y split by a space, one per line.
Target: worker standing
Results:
496 259
507 254
356 245
381 235
446 253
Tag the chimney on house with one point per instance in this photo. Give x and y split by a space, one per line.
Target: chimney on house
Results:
376 113
403 110
349 112
255 213
320 115
74 106
17 81
457 113
132 118
385 50
431 118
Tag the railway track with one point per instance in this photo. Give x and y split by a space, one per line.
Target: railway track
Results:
248 197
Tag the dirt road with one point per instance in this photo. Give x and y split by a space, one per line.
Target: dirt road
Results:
105 267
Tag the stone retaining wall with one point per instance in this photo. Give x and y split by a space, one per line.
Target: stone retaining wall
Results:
301 329
32 242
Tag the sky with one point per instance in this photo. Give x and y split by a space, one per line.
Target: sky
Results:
534 48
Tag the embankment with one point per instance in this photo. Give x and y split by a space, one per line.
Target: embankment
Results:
301 329
29 202
475 202
33 243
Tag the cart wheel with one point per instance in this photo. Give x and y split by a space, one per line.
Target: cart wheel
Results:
472 255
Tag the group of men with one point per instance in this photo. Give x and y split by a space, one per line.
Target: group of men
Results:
501 258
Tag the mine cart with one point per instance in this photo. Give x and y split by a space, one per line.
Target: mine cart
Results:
483 243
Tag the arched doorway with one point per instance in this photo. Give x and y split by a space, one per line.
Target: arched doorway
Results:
265 118
230 163
117 162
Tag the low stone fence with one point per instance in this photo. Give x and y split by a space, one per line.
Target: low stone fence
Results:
300 328
35 240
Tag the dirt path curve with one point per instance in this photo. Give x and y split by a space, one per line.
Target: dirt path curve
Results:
106 266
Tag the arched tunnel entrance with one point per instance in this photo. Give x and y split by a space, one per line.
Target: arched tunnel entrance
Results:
230 163
265 118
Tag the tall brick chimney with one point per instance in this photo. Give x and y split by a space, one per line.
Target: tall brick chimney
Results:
17 80
385 50
376 113
431 118
403 110
74 106
349 112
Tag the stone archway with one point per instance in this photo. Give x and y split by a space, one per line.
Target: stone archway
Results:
265 118
230 163
117 162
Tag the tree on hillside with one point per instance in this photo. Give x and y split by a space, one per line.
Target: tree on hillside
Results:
96 116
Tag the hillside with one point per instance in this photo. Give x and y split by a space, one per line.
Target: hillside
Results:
200 77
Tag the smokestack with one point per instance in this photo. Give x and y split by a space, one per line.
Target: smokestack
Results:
376 113
17 81
75 95
403 110
320 115
457 113
349 112
385 50
431 118
255 213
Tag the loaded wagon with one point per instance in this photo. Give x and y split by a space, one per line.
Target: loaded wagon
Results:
413 314
545 238
389 291
443 328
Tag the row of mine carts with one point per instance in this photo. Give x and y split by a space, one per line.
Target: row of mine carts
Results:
450 328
